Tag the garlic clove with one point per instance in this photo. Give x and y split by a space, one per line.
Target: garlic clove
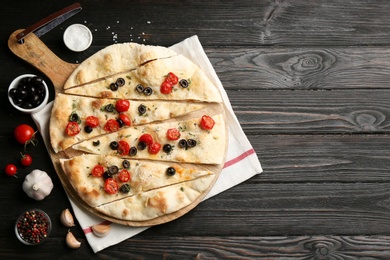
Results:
101 230
67 218
71 241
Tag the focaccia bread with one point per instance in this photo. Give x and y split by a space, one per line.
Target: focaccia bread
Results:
158 202
93 116
193 144
114 59
85 174
192 83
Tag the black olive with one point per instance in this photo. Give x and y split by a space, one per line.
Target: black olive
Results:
170 171
27 105
114 145
74 117
148 91
12 92
109 108
96 143
34 99
167 148
125 188
88 129
142 109
139 88
21 93
40 89
183 143
183 83
141 145
36 81
113 86
106 175
113 170
120 122
191 143
126 164
133 151
120 82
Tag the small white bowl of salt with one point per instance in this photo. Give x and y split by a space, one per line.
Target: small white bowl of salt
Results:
77 37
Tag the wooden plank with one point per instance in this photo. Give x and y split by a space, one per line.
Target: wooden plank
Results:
227 23
312 112
320 68
318 159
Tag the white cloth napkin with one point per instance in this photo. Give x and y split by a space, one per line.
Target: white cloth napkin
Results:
241 161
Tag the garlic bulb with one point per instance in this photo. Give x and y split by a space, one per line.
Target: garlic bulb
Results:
37 185
67 218
71 241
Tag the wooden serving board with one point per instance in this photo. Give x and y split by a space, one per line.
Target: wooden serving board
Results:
36 53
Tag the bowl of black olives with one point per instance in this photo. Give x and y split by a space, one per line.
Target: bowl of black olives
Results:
28 93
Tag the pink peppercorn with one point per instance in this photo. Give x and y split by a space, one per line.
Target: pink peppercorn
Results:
33 227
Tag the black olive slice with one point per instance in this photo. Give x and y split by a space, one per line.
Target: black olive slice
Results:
125 188
106 175
113 170
191 143
139 88
114 145
148 91
141 146
74 117
120 122
126 164
88 129
120 82
167 148
142 109
170 171
183 83
96 143
114 86
133 151
183 143
109 108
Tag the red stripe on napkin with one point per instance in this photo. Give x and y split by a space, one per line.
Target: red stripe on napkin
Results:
89 229
239 158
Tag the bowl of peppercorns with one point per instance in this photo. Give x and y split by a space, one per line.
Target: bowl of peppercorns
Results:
33 227
28 93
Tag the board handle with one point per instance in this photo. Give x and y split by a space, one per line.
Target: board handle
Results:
36 53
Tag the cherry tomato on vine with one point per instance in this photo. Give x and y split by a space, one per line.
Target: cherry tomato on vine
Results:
24 133
26 160
10 169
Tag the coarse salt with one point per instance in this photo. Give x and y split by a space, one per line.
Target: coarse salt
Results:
77 37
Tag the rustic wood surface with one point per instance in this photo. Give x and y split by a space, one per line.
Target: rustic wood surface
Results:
309 83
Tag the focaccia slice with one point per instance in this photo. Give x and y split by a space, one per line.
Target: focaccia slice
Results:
68 107
158 202
145 83
204 146
144 176
114 59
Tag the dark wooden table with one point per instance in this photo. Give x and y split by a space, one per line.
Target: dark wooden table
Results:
310 84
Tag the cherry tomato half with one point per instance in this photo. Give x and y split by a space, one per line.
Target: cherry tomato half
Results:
10 169
72 128
125 119
173 134
122 105
146 138
154 148
207 122
172 79
92 121
111 125
111 186
123 148
166 88
98 171
24 133
124 175
26 160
